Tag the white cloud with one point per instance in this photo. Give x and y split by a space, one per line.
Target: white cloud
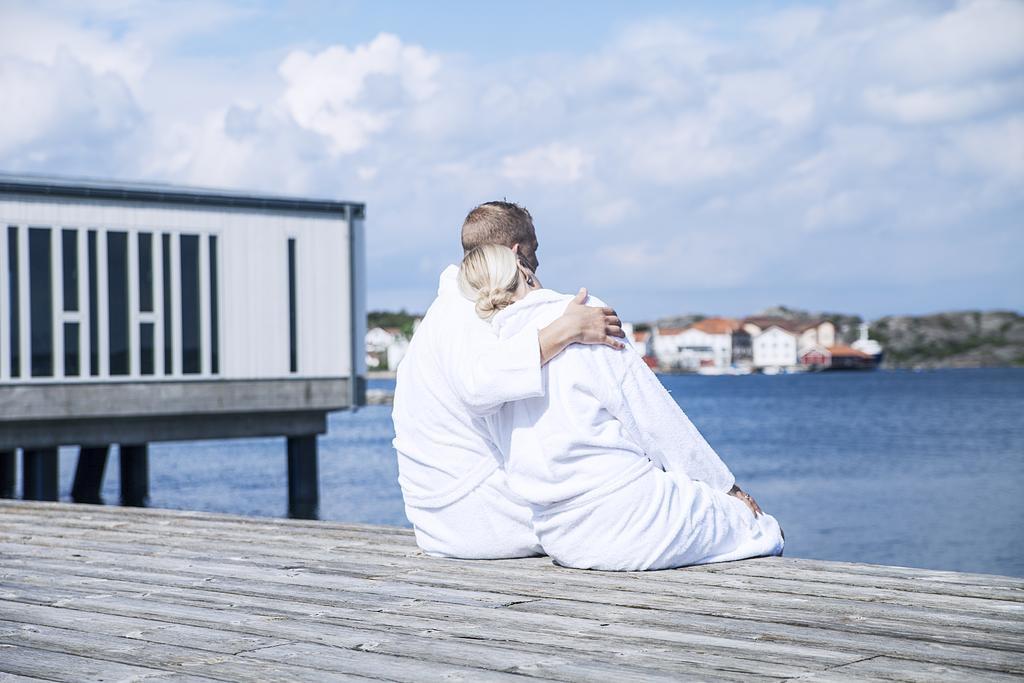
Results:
973 38
349 96
52 110
825 143
942 103
553 163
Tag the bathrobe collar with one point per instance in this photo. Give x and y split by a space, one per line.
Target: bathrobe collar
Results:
526 311
448 283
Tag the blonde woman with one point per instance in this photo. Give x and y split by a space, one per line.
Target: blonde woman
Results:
615 474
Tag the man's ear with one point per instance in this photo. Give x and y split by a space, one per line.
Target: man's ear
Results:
515 248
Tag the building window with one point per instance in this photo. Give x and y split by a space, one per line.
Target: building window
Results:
94 305
15 299
72 362
69 257
293 362
40 292
190 343
147 352
165 258
117 302
145 272
214 312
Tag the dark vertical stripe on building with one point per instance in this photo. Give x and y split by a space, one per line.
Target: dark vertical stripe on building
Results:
165 256
293 357
190 349
214 310
117 302
72 359
94 305
147 350
69 258
40 301
14 291
145 272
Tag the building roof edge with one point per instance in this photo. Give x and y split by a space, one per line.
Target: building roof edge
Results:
160 193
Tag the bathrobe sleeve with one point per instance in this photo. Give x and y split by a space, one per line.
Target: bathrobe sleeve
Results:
493 372
635 396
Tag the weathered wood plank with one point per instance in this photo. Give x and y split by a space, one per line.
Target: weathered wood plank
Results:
292 621
841 641
117 515
678 625
1010 589
245 551
563 582
950 632
892 669
224 641
234 598
991 633
61 666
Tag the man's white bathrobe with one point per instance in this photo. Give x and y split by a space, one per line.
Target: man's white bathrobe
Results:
455 372
617 476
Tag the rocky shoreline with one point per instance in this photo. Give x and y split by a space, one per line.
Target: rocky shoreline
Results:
957 339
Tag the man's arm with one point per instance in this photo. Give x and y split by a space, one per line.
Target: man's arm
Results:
581 324
636 397
506 370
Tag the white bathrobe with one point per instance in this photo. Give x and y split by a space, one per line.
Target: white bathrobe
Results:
455 372
617 476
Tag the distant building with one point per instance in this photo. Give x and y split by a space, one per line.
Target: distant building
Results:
815 357
132 313
711 342
774 347
641 341
385 347
808 332
848 358
667 345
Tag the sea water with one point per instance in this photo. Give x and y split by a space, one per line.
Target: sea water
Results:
920 469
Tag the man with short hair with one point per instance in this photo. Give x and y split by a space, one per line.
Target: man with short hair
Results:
455 373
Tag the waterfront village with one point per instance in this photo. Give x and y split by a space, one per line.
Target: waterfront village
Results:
709 346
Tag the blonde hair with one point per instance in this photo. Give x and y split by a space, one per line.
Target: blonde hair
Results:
489 277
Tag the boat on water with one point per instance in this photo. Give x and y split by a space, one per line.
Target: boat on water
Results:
869 346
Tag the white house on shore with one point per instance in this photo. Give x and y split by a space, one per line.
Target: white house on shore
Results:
774 347
385 347
667 346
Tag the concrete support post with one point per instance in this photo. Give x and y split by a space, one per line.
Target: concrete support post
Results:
8 474
40 473
135 475
303 486
88 486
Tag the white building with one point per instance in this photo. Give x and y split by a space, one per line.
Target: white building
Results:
640 339
385 345
774 348
667 345
709 343
132 313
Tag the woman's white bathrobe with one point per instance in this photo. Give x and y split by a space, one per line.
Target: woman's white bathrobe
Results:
455 372
616 475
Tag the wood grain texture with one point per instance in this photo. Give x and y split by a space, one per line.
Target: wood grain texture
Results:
109 593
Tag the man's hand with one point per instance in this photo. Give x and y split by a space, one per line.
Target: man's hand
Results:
737 492
581 324
596 325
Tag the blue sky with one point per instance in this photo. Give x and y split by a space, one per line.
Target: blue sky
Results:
702 157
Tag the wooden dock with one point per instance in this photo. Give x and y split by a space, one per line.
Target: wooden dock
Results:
110 593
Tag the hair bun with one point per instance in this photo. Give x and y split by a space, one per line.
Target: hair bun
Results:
490 302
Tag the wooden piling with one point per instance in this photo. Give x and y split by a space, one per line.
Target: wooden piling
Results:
88 483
